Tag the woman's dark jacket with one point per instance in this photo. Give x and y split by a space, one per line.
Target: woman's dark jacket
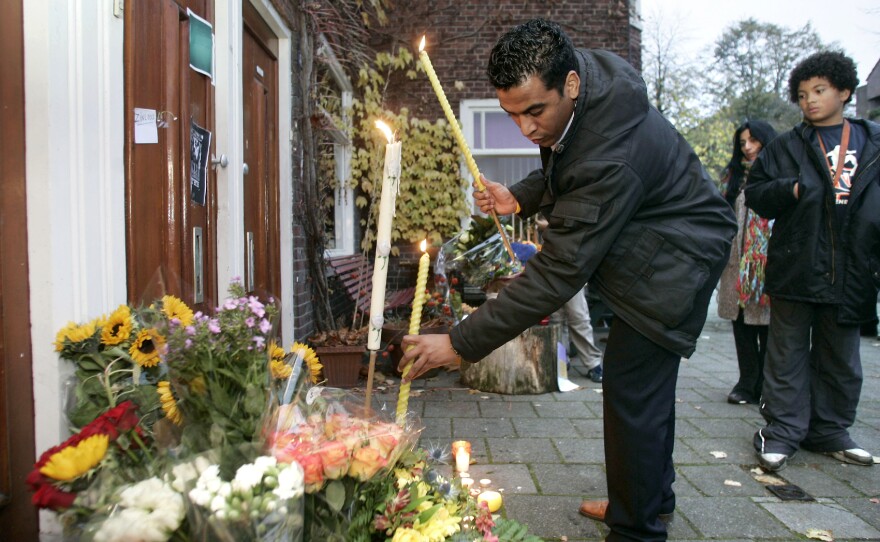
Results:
812 256
629 209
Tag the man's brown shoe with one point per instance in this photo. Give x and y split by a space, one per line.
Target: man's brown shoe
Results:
594 509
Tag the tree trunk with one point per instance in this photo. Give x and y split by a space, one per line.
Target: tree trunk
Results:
525 365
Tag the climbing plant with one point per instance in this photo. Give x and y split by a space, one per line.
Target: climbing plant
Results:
431 202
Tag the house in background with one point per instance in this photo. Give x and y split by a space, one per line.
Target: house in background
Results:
164 146
868 96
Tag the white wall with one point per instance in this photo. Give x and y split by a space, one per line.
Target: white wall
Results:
75 184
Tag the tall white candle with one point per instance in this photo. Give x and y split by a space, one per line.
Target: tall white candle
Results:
390 187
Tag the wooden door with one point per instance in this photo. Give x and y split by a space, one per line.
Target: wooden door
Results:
170 239
18 518
261 206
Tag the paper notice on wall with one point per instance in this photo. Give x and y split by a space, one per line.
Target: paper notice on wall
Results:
562 381
200 147
145 130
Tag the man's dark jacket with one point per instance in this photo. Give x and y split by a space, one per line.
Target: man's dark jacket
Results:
813 256
629 209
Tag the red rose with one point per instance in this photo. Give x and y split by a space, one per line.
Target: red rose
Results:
49 496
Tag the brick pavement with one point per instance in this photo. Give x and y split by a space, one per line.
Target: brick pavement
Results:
546 453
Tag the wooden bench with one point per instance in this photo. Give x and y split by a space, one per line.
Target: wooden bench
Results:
355 275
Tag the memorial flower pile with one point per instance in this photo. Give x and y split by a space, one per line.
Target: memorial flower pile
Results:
190 426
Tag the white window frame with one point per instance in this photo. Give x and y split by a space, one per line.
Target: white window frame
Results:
344 208
468 109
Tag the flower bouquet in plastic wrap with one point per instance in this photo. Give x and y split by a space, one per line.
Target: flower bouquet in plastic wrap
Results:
261 501
343 451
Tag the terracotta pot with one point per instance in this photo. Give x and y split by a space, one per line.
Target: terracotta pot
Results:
342 364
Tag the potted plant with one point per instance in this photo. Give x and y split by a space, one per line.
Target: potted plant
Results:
341 352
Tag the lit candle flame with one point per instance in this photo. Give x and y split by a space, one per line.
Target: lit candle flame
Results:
423 245
385 130
422 44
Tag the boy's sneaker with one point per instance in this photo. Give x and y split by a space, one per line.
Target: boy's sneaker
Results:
772 461
853 456
595 374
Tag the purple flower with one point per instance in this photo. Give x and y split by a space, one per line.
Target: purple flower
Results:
188 343
214 326
190 330
230 304
260 341
250 321
265 326
256 307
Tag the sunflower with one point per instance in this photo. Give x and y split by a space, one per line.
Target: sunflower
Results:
175 308
311 360
76 333
71 462
169 403
277 365
146 347
117 328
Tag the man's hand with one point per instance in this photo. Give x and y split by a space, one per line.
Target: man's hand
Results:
427 352
496 196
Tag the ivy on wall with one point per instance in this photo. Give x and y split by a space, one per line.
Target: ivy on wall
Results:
431 203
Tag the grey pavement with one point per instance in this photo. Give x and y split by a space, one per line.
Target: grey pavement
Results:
545 453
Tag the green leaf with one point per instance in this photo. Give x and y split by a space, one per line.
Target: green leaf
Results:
335 494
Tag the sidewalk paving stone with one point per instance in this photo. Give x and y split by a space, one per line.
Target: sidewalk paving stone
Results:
546 452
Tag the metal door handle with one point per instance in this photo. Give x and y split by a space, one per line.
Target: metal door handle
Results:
198 268
249 239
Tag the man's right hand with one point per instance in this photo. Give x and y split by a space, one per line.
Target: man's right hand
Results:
496 196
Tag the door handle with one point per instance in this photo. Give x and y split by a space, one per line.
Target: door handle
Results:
249 239
198 268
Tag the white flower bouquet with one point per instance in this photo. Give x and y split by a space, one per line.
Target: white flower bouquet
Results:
263 502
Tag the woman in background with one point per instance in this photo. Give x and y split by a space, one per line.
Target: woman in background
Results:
741 295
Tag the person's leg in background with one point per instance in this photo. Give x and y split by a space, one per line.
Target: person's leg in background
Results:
749 356
580 329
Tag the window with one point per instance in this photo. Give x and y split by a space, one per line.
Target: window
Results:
502 153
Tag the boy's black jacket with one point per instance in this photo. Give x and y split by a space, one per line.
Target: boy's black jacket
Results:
629 208
814 257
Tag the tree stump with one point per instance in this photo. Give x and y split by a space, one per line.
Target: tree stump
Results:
525 365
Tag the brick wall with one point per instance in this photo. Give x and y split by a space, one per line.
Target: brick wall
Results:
460 35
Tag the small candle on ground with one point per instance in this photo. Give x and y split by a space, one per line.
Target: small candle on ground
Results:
492 500
461 451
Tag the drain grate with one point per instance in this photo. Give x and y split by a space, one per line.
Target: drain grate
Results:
790 492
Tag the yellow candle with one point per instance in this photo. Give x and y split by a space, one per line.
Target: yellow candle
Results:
459 138
492 499
390 187
414 322
450 116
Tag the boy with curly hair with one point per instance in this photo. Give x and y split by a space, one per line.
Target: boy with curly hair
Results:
821 182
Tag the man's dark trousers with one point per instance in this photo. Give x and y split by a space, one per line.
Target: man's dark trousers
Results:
638 391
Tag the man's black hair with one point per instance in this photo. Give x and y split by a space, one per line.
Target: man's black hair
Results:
839 69
537 47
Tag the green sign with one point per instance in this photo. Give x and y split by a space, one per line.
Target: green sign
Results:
201 45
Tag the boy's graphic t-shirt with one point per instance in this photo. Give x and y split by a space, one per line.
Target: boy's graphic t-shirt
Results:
831 136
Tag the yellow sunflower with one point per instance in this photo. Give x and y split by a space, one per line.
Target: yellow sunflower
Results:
73 461
198 386
169 403
277 366
146 347
117 328
175 308
76 333
310 358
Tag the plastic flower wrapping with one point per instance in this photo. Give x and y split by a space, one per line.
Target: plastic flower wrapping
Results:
341 447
